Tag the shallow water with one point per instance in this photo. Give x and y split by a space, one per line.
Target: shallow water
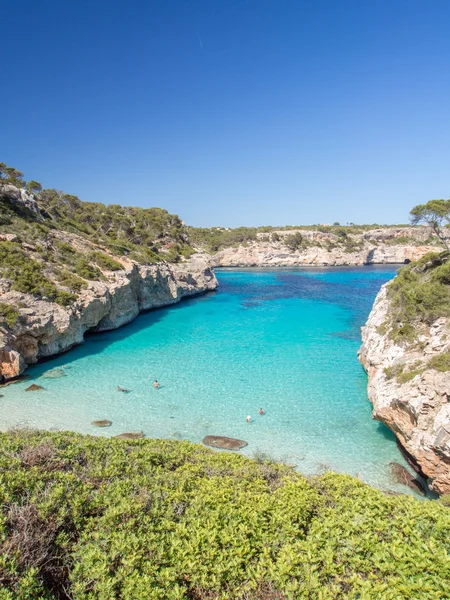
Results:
284 340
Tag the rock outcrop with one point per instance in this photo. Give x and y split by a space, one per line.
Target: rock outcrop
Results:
416 410
389 245
44 328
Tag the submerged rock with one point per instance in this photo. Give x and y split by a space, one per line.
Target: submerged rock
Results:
15 380
102 423
403 476
54 373
226 443
130 436
33 388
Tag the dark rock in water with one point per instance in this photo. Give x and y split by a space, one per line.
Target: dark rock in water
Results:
403 476
226 443
54 373
130 436
15 380
102 423
33 388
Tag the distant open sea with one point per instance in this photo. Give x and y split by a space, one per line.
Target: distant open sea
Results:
284 340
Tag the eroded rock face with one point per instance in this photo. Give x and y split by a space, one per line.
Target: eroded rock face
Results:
377 246
418 411
45 328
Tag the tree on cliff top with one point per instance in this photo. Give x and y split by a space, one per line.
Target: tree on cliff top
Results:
9 175
435 214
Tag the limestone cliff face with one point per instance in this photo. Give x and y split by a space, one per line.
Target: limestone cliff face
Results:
418 411
377 246
45 328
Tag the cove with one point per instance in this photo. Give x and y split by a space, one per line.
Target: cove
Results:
284 340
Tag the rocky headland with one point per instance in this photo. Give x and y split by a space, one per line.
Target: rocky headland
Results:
337 247
406 353
55 285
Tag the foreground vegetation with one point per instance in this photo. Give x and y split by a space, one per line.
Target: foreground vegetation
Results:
96 518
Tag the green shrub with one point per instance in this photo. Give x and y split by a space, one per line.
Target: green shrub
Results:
293 241
71 281
8 314
86 270
105 262
94 518
26 274
419 294
440 362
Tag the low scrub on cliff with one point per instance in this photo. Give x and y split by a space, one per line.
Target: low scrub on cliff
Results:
94 518
27 275
419 294
122 229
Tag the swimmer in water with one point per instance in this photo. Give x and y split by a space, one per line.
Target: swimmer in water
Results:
249 419
156 384
124 390
261 412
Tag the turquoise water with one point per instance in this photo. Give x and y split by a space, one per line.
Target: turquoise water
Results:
283 340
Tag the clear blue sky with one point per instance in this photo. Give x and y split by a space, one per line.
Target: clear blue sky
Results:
232 112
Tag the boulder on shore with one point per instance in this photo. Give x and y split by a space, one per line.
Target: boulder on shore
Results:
226 443
403 476
102 423
33 388
130 436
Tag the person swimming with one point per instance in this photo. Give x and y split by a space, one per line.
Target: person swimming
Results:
261 411
156 384
121 389
249 419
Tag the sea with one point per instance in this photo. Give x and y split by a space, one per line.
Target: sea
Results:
282 340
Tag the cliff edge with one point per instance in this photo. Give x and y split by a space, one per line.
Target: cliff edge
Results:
406 353
68 267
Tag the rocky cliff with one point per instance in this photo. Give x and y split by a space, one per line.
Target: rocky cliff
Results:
45 328
409 387
390 245
57 284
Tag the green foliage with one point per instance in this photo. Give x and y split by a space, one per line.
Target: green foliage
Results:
26 274
216 238
86 270
275 237
293 241
34 186
435 214
105 262
71 281
440 362
8 314
419 294
94 518
10 176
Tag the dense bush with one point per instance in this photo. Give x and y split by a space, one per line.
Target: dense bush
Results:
419 294
293 241
26 274
71 281
105 262
8 314
95 518
87 270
